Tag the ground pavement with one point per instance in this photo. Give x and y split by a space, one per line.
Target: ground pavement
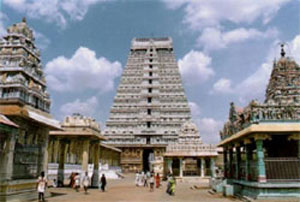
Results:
124 190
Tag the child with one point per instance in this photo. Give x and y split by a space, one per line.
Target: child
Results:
151 182
41 186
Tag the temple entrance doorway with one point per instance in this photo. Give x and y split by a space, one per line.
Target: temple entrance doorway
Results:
148 155
175 166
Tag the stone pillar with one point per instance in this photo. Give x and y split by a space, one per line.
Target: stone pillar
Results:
212 167
180 168
247 159
56 151
202 167
85 156
45 152
95 179
298 149
230 162
170 162
110 162
61 163
237 161
225 162
7 160
260 161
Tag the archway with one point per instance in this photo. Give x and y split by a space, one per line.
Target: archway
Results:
147 156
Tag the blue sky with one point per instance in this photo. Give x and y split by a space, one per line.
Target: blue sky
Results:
224 49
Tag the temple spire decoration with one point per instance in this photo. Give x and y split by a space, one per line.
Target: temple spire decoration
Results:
21 76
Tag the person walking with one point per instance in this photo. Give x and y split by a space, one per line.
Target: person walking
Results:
145 176
157 180
41 186
141 178
72 180
151 181
103 182
137 178
77 182
86 182
172 182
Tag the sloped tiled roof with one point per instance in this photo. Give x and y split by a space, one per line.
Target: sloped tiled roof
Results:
4 120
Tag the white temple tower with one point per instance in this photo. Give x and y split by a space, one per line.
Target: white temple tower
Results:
150 105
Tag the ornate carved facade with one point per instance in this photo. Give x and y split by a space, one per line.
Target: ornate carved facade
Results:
78 145
21 75
194 157
282 102
25 101
150 105
262 141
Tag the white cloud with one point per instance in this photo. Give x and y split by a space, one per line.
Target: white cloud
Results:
295 48
42 42
223 85
254 86
81 72
53 10
209 129
86 107
3 18
195 67
204 13
195 109
213 38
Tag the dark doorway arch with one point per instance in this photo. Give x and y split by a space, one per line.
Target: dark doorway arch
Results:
146 159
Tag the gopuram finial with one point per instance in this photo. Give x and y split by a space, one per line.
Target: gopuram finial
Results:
282 53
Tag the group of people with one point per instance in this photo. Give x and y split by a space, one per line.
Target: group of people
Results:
74 183
142 178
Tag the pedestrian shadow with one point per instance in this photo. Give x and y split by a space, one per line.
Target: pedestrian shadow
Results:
56 194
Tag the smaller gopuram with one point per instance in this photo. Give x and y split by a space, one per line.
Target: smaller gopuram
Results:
189 156
76 146
262 141
25 102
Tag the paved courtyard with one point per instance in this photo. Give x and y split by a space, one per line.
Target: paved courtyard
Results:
124 190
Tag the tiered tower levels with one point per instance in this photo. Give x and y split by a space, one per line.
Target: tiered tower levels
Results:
21 76
150 105
284 84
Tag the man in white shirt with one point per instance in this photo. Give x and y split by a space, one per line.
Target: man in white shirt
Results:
86 182
41 186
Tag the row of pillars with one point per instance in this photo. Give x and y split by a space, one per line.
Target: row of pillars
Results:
230 172
203 166
84 164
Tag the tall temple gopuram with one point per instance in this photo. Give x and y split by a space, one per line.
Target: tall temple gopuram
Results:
150 106
262 141
24 105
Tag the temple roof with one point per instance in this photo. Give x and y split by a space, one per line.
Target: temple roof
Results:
21 28
4 120
284 82
79 121
282 100
189 143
